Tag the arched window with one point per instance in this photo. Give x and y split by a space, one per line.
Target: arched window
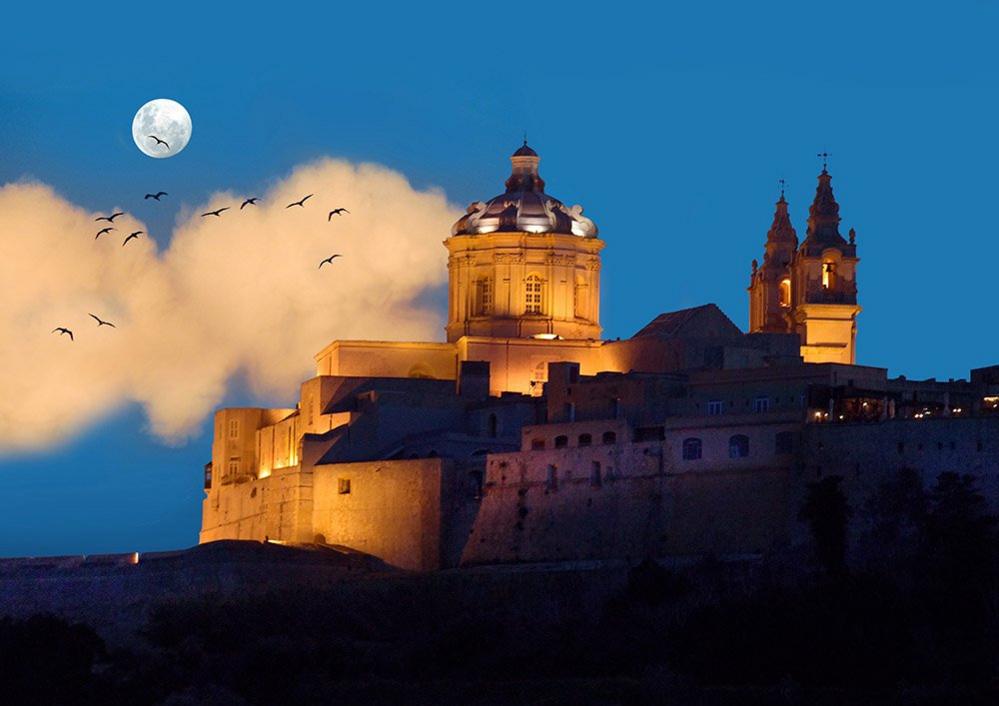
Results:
691 449
533 291
738 446
785 292
609 437
828 275
484 297
585 439
561 441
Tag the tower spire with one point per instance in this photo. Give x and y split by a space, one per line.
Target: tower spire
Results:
823 215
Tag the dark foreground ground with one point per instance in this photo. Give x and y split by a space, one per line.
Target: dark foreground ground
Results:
245 623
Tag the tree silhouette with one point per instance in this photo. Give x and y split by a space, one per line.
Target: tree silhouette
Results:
827 513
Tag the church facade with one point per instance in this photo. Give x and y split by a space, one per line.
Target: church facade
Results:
525 437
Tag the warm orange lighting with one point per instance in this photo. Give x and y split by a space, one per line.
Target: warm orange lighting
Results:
546 336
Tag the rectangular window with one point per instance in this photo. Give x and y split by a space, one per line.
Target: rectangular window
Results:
532 295
485 297
715 407
761 404
233 428
233 468
343 486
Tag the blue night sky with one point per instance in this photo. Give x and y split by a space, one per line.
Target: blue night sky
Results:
671 125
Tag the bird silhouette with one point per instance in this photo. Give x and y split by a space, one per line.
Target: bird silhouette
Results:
249 202
216 212
300 203
62 331
159 141
102 231
109 219
101 322
156 196
329 260
136 234
336 212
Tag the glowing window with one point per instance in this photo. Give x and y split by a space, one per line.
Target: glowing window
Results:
828 275
785 292
533 289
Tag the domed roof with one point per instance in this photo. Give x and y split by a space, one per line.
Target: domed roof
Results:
524 207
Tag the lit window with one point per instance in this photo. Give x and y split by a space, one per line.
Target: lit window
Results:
715 407
533 288
738 446
343 486
828 275
785 292
691 449
233 428
761 404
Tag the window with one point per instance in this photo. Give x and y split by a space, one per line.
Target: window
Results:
208 476
484 297
609 437
233 428
551 479
691 449
533 289
233 469
561 441
715 407
761 404
785 293
784 442
537 444
585 439
595 474
738 446
828 275
343 486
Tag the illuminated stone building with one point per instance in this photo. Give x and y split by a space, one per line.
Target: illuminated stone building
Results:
809 289
525 437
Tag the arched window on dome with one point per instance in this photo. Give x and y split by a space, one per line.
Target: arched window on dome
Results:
533 295
785 292
484 296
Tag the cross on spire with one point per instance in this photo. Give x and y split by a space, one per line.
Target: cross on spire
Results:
825 159
781 184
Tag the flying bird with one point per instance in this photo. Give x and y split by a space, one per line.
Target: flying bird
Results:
156 196
217 212
101 322
300 203
336 212
329 260
102 231
159 141
64 332
249 202
136 234
110 219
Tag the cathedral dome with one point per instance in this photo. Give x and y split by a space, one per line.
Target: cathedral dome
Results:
524 207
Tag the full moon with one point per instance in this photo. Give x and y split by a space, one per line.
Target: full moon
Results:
161 128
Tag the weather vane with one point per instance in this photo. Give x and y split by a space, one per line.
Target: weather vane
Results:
825 159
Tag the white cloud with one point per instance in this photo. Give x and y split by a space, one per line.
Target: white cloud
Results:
230 295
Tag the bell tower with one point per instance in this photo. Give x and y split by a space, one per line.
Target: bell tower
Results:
770 292
523 264
824 284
